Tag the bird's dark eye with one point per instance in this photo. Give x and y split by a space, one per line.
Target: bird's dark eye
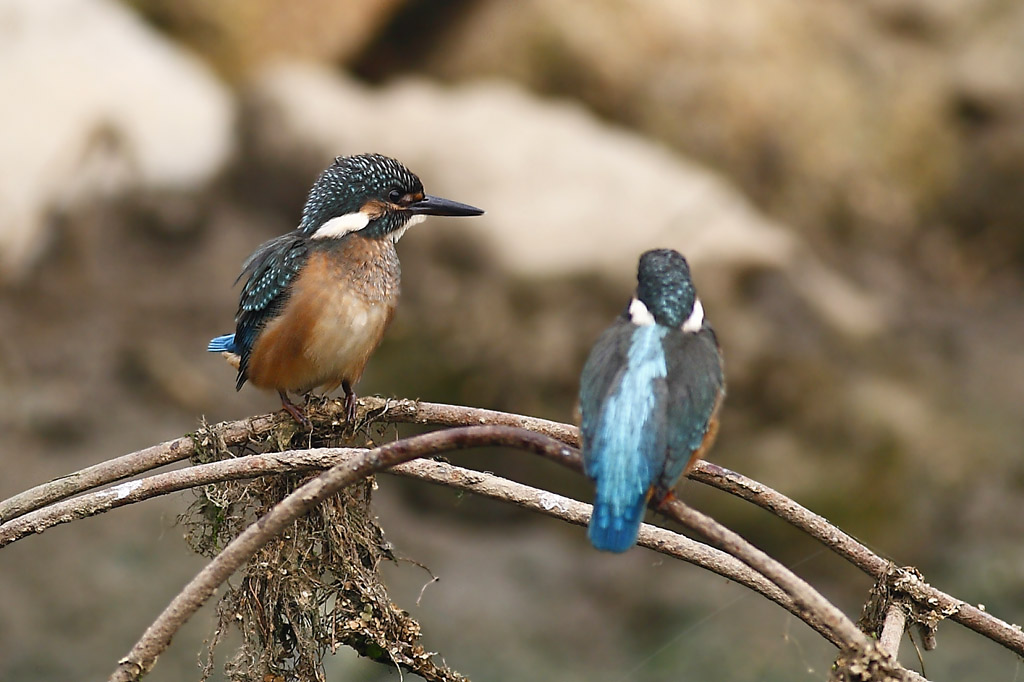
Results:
394 195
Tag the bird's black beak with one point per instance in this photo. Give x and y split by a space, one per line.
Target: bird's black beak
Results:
430 205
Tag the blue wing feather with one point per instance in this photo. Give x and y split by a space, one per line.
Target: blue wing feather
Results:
623 398
647 395
268 274
224 343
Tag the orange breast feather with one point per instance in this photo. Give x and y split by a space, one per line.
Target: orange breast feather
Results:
335 317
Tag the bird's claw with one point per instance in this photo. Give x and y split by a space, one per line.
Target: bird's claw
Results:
350 408
294 411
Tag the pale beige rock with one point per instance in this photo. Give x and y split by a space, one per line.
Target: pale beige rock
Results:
819 109
564 192
239 36
96 103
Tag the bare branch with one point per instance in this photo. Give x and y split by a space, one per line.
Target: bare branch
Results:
158 636
323 413
892 631
792 512
487 485
805 598
131 464
130 492
981 622
402 411
407 411
578 513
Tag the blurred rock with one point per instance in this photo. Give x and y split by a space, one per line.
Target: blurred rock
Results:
240 35
96 104
565 193
988 68
842 119
985 206
805 104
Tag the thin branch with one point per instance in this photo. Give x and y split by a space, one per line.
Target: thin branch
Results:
403 411
128 465
792 512
572 511
130 492
805 598
486 485
892 630
94 476
971 617
158 636
409 411
323 413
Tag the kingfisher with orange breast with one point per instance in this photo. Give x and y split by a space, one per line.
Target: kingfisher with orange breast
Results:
316 301
649 399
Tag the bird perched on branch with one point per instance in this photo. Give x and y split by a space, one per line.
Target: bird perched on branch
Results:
649 399
316 301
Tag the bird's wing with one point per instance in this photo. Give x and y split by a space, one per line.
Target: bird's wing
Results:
268 274
696 386
623 398
603 370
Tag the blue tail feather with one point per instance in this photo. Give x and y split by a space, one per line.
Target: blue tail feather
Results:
222 343
615 532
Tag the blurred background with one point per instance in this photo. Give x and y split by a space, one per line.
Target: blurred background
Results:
845 179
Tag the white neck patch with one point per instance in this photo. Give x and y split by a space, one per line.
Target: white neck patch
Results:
696 319
415 220
342 225
639 314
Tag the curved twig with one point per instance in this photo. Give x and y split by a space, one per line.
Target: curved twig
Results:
404 411
158 636
409 411
653 537
323 411
818 527
805 598
809 604
169 482
440 473
128 465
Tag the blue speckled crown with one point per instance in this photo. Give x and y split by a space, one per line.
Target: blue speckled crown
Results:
348 182
665 287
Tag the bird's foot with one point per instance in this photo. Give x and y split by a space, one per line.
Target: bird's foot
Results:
350 402
661 501
350 407
294 411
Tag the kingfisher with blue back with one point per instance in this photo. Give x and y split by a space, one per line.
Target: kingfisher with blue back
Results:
317 300
649 399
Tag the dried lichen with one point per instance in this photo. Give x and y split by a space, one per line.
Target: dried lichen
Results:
905 586
318 585
870 665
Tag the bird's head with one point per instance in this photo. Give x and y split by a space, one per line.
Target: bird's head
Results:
665 292
372 194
